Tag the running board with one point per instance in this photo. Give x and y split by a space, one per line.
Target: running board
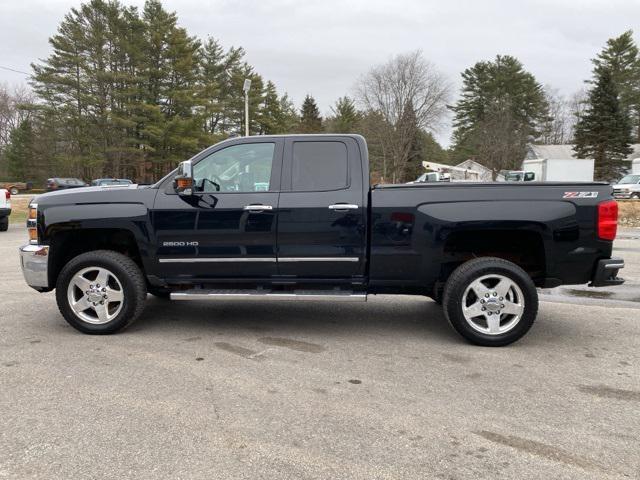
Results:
228 294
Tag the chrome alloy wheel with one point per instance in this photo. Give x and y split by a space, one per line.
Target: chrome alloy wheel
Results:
493 304
95 295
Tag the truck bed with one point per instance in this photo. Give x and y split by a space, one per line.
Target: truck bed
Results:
419 231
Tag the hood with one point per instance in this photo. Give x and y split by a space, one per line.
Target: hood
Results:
95 195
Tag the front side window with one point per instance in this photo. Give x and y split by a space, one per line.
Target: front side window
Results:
319 166
239 168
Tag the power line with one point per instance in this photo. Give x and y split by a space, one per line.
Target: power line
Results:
14 70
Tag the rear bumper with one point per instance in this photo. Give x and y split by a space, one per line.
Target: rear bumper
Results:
606 273
34 260
5 212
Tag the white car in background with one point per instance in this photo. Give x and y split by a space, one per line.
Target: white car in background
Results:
627 187
5 209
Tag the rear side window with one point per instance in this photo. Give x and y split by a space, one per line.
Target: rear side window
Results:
319 166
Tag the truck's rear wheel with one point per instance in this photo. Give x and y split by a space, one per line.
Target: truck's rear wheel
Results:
490 301
14 191
100 292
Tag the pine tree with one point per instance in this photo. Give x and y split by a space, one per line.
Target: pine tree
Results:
212 82
170 75
271 118
345 116
621 59
492 92
310 119
604 132
290 118
19 154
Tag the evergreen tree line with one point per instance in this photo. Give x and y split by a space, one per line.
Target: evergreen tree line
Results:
129 93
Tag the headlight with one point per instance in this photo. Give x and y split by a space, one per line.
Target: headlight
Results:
32 223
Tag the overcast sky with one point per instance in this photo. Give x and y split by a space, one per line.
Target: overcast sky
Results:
322 47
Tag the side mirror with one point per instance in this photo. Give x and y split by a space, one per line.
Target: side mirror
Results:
183 181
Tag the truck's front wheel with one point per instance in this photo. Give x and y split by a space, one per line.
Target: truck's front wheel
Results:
490 301
100 292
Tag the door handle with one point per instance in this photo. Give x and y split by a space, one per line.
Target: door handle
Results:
343 207
257 208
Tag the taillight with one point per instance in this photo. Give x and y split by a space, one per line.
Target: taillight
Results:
7 194
607 220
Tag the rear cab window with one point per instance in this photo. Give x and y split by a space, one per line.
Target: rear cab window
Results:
319 166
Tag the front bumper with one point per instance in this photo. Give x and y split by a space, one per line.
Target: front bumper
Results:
606 273
34 260
622 195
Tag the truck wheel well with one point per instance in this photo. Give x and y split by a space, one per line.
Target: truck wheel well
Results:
68 244
524 248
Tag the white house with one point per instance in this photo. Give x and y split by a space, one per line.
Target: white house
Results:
484 173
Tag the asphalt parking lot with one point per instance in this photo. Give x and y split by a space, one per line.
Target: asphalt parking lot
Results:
316 390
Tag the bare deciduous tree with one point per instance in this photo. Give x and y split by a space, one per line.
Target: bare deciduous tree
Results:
577 106
558 127
409 94
498 139
11 111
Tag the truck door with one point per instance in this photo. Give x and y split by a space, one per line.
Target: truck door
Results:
227 228
322 209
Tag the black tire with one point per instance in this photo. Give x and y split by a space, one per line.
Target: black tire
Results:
133 283
159 293
464 276
14 191
636 196
4 224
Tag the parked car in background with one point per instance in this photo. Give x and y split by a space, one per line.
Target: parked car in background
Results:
64 183
5 209
101 182
16 187
627 187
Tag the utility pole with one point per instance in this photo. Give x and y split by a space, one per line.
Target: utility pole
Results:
245 89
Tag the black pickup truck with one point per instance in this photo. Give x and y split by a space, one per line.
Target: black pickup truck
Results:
293 218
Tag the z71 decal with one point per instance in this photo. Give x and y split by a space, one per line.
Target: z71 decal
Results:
580 195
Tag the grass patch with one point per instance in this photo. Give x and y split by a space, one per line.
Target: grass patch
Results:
629 213
18 217
19 207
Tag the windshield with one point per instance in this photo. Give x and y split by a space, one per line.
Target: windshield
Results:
630 179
